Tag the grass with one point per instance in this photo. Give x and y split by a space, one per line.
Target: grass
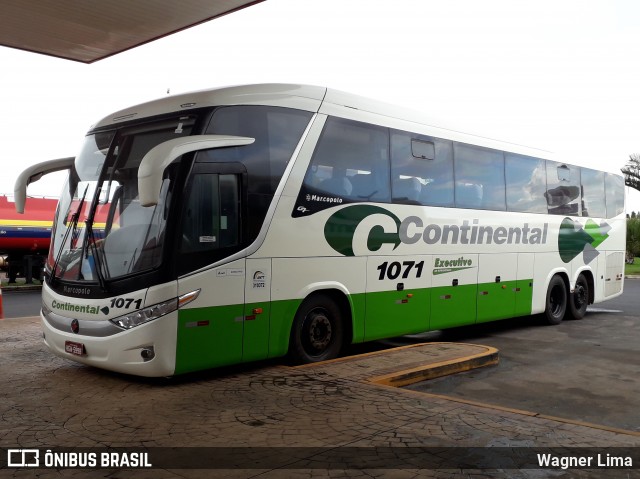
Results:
633 268
20 283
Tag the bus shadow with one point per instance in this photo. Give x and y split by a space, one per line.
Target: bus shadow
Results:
207 375
468 333
472 332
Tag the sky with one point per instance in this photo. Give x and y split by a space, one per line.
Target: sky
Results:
562 76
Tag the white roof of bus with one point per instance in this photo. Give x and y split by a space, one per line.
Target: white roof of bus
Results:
315 99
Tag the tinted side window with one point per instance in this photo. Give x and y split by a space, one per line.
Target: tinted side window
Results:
479 177
593 198
526 183
421 169
563 189
350 164
277 132
615 195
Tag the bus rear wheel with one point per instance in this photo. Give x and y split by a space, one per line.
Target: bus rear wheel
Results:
317 330
579 298
556 304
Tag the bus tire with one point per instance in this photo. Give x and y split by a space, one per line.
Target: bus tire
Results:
556 303
579 298
317 330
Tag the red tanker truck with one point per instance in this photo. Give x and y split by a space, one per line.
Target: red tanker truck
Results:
25 238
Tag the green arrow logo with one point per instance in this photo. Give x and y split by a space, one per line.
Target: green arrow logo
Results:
597 233
573 238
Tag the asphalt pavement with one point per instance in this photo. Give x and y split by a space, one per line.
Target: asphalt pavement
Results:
329 408
586 370
18 304
340 418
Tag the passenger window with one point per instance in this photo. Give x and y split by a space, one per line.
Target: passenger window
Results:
563 189
526 179
479 174
421 169
614 195
350 164
593 198
277 132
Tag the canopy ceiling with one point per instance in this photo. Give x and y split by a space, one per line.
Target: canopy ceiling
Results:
90 30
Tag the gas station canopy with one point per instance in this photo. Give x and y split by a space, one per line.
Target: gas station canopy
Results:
90 30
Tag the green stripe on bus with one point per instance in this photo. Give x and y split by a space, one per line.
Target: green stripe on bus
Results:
224 335
209 337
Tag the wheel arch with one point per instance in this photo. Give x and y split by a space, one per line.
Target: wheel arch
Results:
565 278
343 299
562 273
555 309
588 274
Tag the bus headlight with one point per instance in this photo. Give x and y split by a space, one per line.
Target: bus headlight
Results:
145 315
155 311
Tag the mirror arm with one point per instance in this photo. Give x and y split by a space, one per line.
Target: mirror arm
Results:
33 174
159 157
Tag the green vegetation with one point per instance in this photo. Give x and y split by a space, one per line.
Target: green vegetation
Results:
633 236
4 282
632 268
631 172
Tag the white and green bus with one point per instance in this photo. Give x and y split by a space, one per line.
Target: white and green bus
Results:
252 222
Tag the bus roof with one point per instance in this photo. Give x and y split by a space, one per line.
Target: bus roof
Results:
303 97
315 99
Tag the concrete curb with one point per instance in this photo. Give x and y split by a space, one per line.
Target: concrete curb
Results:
490 357
408 364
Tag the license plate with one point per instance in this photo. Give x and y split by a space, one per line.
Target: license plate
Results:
74 348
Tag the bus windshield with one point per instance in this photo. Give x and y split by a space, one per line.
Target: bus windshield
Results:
101 230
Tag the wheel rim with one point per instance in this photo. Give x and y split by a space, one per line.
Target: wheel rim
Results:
319 331
556 300
580 296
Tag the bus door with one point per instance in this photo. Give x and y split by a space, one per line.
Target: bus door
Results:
454 290
211 328
497 286
397 296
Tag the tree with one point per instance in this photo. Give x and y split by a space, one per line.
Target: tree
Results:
631 171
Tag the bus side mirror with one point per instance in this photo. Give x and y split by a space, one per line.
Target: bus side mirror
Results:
33 174
159 157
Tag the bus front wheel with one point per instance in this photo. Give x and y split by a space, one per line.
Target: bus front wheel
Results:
317 330
556 304
579 298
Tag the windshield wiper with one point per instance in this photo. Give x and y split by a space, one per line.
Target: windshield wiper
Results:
90 242
74 224
94 252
